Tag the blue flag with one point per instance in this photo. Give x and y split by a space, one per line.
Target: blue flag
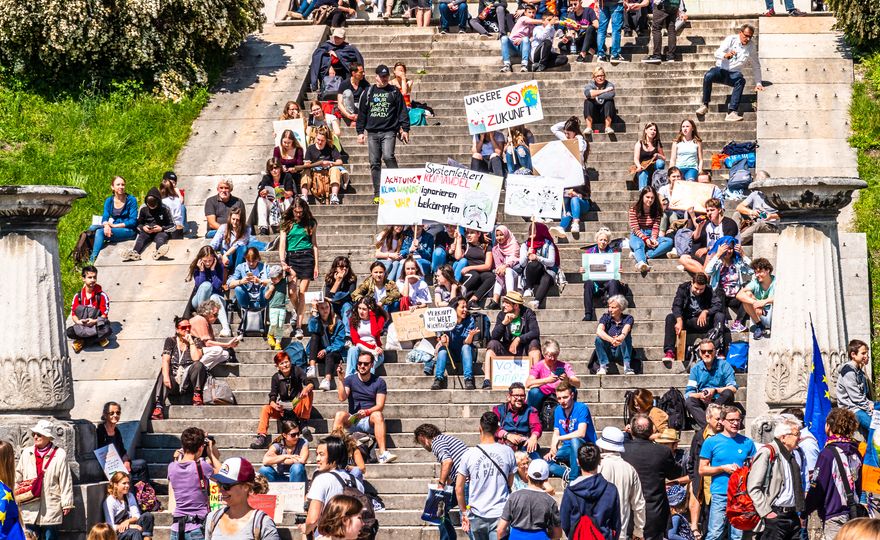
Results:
10 528
818 398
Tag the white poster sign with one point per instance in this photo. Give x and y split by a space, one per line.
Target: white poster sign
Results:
297 125
506 370
291 495
399 197
440 319
529 196
559 159
601 266
690 195
110 460
502 108
459 197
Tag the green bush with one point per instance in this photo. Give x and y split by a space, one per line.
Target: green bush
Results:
170 45
859 20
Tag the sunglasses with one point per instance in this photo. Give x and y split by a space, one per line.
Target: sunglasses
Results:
364 363
227 487
115 413
293 434
707 351
184 327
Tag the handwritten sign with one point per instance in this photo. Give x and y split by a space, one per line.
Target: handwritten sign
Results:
502 108
110 460
601 266
690 195
297 125
440 319
399 197
214 495
559 159
506 370
313 297
410 326
529 196
291 495
459 197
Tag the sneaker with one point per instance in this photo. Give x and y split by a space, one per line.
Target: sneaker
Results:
528 293
264 231
307 434
733 116
487 384
769 13
506 69
736 326
438 384
609 131
670 59
703 110
575 226
325 385
157 413
557 231
669 355
261 440
270 340
376 199
311 372
581 58
225 332
603 370
104 342
523 68
492 304
673 254
796 13
443 31
469 384
588 318
679 267
616 59
460 31
534 304
628 371
602 58
757 331
197 399
131 255
334 199
653 59
298 334
642 267
387 457
77 345
161 251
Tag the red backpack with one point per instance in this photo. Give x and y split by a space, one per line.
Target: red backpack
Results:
586 530
740 508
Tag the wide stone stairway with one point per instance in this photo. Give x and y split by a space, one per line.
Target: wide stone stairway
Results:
446 68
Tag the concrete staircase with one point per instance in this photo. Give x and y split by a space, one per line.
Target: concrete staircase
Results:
447 68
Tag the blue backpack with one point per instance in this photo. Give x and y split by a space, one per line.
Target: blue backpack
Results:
297 354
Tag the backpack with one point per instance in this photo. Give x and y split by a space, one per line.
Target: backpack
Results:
733 148
330 87
253 322
297 353
320 184
368 515
659 179
673 404
669 6
146 498
546 411
586 530
716 334
83 249
257 531
740 508
740 180
628 406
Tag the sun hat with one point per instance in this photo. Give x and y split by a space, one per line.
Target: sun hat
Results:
611 440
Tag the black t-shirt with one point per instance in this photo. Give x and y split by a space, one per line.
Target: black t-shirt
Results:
219 209
286 181
329 153
115 440
346 85
180 357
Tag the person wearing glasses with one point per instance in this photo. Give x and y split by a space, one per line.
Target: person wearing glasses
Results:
43 514
237 519
519 425
108 431
188 476
286 458
711 381
720 456
730 58
182 369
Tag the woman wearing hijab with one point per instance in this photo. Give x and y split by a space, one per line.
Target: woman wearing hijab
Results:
505 256
539 260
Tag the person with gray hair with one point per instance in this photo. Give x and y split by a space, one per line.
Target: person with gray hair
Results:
593 288
547 374
217 206
731 56
213 352
614 336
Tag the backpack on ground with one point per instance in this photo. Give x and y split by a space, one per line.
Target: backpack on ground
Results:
546 410
586 530
740 507
692 355
734 148
368 514
83 249
659 179
297 353
673 404
217 392
740 180
253 322
146 497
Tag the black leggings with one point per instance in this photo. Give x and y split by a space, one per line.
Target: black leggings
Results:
592 109
611 288
161 238
330 360
536 278
478 283
193 382
492 164
735 305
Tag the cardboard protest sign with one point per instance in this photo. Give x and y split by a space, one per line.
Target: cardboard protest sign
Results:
690 195
506 370
529 196
440 319
291 495
297 125
502 108
410 326
871 466
110 460
459 197
214 495
559 159
601 266
268 504
399 197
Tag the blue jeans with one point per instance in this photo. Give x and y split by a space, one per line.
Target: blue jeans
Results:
306 8
457 266
508 47
637 245
120 234
351 361
535 397
195 534
689 173
605 351
438 258
718 520
567 455
864 420
483 528
210 234
45 532
789 4
459 17
573 208
297 473
206 292
728 78
465 357
391 268
245 301
523 157
643 175
614 14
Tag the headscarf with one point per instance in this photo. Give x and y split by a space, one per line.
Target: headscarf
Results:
542 235
726 240
501 253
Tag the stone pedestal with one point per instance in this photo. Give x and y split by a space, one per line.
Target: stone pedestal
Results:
35 375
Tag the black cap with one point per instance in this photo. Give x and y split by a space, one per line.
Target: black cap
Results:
383 70
169 176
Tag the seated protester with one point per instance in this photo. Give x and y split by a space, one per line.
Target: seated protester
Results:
591 496
329 332
154 223
249 281
172 198
728 270
477 272
384 292
696 308
339 284
599 101
531 512
546 375
711 380
539 261
290 394
188 476
580 30
289 154
365 328
673 176
707 232
207 272
330 480
643 403
592 288
213 352
182 369
291 111
388 245
417 114
614 336
334 52
419 245
276 294
648 155
453 12
122 512
854 392
444 247
644 223
286 458
217 206
108 432
344 10
323 164
487 152
275 193
357 467
118 220
231 240
505 258
458 344
366 393
519 425
446 287
576 199
572 426
542 55
705 177
757 297
318 118
687 150
521 477
756 216
414 292
519 39
517 154
350 94
492 17
88 313
516 331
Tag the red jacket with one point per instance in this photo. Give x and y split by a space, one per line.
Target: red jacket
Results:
377 323
98 300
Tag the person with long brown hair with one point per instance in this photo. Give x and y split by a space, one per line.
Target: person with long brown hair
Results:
119 219
388 245
298 250
101 531
207 271
121 510
232 239
289 153
339 284
644 224
12 520
328 333
687 150
648 154
291 111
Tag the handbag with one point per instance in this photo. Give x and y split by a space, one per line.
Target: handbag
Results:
856 510
32 488
437 505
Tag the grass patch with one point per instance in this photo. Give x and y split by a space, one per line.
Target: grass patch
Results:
84 141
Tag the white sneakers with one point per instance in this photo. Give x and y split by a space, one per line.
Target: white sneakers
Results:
131 255
325 385
311 372
702 110
642 267
602 370
161 251
387 457
733 116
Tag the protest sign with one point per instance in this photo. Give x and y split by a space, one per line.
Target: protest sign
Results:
601 266
268 504
313 297
410 326
214 495
399 197
690 195
297 125
502 108
291 495
110 460
530 196
440 319
871 466
559 159
459 197
506 370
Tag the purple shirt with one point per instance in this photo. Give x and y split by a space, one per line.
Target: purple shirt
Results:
190 499
541 371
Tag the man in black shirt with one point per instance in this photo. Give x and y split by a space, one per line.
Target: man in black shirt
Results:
324 165
350 92
696 308
217 207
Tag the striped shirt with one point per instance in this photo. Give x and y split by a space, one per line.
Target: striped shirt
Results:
446 447
638 224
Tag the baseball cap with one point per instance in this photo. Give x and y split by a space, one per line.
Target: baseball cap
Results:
235 470
539 470
338 33
383 70
275 271
170 175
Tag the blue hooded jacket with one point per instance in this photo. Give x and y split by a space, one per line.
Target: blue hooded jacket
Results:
129 211
595 497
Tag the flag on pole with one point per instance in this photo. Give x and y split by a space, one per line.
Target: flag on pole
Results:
818 398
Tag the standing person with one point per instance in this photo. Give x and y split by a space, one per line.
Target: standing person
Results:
47 462
10 528
182 369
720 456
188 477
448 450
531 513
625 478
711 380
154 223
614 336
610 11
331 457
121 510
237 519
572 427
488 470
599 99
853 389
700 495
687 150
383 115
119 219
644 223
591 496
88 312
665 15
298 250
730 57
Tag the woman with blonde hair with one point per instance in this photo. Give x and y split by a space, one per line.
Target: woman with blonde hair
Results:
860 529
291 111
121 510
341 518
599 101
7 484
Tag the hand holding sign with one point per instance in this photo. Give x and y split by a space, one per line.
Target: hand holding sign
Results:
440 319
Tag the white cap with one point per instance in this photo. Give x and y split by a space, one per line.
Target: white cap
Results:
539 470
44 428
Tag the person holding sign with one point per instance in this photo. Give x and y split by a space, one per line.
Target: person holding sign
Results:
365 326
577 198
487 152
644 223
419 245
289 154
121 510
457 343
275 192
613 336
388 245
539 260
516 332
592 288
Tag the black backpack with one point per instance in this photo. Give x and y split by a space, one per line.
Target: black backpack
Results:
672 403
546 411
83 249
628 406
368 514
734 148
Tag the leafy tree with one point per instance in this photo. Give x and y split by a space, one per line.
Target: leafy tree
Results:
859 20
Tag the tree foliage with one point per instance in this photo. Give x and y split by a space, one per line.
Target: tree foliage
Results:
859 20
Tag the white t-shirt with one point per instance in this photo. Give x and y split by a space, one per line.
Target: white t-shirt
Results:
324 487
174 205
713 233
364 332
488 489
379 293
